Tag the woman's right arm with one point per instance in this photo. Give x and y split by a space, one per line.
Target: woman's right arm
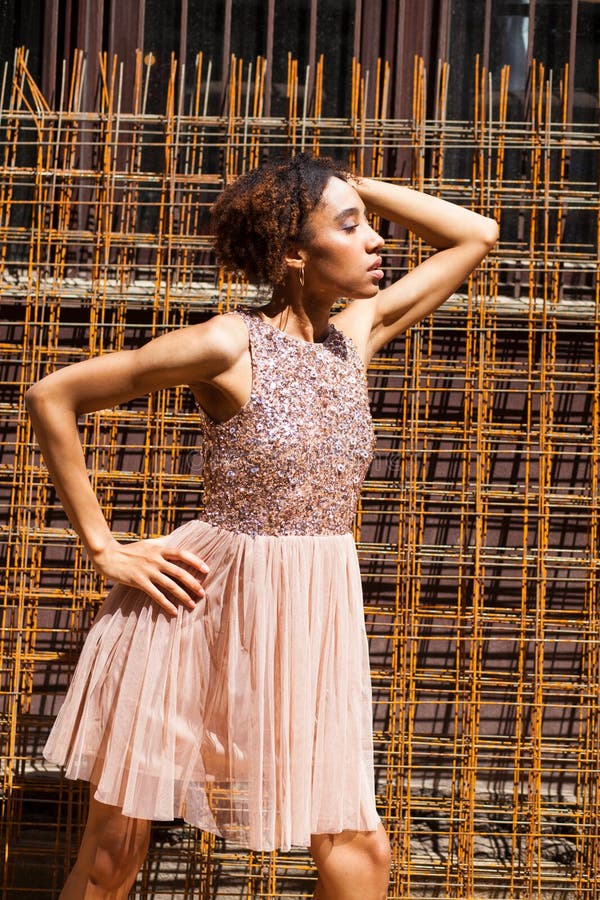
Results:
195 355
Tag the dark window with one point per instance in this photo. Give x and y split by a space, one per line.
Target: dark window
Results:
552 33
583 163
162 32
585 101
248 29
465 41
551 37
205 24
292 21
509 40
335 36
21 24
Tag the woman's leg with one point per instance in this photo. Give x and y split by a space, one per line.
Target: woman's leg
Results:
352 865
112 850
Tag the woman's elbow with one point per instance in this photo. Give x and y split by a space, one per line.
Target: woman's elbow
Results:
40 396
490 232
34 395
482 234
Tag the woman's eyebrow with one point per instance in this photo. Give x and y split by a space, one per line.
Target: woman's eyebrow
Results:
351 211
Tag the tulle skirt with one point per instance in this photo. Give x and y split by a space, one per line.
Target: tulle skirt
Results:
249 716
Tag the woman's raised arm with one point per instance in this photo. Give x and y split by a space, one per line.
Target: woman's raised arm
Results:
193 356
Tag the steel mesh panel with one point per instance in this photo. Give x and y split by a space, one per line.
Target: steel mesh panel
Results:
478 523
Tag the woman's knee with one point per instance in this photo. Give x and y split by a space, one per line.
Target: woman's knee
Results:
369 848
113 847
377 849
115 864
380 850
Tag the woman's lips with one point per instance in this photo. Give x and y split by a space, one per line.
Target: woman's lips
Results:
375 270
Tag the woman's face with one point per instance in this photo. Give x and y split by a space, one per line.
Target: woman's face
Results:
342 255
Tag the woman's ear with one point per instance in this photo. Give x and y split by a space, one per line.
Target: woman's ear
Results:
296 258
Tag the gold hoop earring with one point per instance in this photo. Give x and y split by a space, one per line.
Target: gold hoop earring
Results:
301 275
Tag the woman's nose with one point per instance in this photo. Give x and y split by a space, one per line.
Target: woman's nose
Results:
375 240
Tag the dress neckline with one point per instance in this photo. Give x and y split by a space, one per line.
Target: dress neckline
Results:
298 341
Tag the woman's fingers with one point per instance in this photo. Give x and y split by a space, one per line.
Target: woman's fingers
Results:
183 558
163 581
175 565
176 580
187 557
187 579
159 598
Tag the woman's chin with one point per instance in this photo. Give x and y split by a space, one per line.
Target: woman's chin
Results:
366 293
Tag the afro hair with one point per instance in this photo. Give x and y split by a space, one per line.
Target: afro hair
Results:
258 217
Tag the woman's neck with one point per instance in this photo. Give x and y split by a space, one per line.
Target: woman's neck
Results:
294 314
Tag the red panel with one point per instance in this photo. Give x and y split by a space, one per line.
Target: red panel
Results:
572 46
125 36
88 29
487 27
357 27
370 44
183 28
269 53
312 46
443 29
50 51
226 48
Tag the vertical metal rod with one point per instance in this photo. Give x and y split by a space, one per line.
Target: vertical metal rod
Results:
226 47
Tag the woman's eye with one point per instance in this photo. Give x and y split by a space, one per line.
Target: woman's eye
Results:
350 227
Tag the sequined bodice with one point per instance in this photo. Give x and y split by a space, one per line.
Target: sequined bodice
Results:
293 459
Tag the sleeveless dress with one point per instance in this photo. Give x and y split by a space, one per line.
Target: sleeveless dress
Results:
250 715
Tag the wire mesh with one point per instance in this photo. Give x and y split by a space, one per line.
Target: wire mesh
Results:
477 526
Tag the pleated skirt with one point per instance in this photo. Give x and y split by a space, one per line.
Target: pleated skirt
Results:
249 716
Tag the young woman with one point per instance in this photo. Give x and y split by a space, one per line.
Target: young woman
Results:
226 676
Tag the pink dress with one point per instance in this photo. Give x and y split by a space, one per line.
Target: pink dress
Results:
249 716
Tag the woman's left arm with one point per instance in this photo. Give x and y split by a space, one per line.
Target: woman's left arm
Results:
462 238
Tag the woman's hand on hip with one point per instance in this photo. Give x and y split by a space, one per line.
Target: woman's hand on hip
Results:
156 568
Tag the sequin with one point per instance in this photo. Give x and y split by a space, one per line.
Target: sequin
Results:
292 460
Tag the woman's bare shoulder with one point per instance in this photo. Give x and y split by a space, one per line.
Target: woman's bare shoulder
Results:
223 339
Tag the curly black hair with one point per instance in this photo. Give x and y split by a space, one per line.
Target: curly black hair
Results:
260 215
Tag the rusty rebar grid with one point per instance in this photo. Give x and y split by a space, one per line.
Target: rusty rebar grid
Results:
477 526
